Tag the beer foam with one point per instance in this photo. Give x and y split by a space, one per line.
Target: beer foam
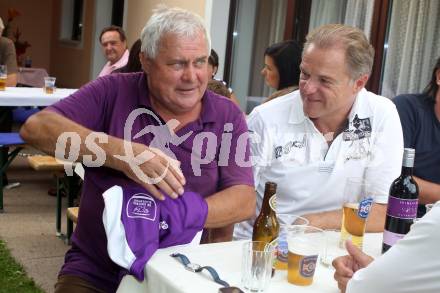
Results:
351 205
302 246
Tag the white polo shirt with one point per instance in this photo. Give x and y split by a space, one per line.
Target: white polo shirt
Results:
411 265
288 150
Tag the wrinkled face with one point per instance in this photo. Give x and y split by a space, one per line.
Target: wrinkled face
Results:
112 46
326 88
178 76
270 72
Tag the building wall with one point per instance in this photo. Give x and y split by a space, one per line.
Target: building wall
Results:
138 12
70 63
35 24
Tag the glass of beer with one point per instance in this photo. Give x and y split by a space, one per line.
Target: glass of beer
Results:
3 77
356 206
305 243
256 270
49 84
285 221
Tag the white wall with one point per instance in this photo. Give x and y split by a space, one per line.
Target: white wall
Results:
216 16
103 18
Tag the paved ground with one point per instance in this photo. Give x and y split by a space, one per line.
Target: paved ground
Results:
28 224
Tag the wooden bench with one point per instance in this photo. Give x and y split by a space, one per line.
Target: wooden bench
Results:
64 182
72 214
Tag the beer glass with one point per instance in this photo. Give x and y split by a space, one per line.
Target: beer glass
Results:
3 77
49 84
285 220
356 206
256 269
305 244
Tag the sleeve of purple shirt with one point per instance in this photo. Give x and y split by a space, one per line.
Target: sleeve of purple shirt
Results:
88 105
238 170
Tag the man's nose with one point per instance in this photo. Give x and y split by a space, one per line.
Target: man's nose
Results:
189 73
309 86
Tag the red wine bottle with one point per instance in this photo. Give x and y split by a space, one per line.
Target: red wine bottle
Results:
402 203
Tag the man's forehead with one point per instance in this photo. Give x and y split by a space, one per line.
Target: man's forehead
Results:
110 36
174 44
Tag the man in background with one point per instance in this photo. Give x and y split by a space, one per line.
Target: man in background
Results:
8 58
114 47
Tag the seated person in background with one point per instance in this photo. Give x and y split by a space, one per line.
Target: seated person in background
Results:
8 58
411 265
213 64
134 63
175 121
311 140
114 47
420 118
281 67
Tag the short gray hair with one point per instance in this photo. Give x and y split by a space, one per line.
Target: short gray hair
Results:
359 54
171 21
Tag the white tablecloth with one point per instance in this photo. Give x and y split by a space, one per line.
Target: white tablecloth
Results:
25 96
165 274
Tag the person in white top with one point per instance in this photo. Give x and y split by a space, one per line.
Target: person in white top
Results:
310 141
114 46
411 265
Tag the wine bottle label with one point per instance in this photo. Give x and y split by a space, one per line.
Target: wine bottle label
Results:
391 238
402 208
273 202
365 207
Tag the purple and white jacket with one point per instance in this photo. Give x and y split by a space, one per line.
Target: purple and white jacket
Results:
137 224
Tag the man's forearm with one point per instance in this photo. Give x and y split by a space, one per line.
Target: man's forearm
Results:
231 205
333 219
429 192
43 130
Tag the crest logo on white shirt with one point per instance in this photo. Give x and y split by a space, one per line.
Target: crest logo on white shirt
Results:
141 206
279 151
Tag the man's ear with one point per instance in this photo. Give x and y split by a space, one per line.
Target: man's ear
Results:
361 82
144 62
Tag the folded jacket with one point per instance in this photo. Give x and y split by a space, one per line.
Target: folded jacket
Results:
137 224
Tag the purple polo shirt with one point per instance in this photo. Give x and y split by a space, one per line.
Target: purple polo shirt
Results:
104 105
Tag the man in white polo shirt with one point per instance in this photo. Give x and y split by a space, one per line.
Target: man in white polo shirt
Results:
311 140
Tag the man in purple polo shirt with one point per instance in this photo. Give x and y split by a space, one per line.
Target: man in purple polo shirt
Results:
114 117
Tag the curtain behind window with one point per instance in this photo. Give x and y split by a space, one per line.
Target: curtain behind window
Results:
413 46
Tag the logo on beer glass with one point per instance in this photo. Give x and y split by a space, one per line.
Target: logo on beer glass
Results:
364 207
308 265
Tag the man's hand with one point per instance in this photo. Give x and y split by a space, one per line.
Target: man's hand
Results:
154 170
347 265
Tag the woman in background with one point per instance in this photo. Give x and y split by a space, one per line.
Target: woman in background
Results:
281 67
420 118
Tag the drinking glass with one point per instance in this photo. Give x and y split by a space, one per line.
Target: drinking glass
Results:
356 206
285 220
49 84
256 267
305 243
3 77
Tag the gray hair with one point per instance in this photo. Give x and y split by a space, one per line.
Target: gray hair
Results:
2 26
359 54
171 21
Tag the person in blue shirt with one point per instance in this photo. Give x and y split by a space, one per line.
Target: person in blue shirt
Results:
420 118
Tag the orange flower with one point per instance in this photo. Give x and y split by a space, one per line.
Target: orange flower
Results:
13 13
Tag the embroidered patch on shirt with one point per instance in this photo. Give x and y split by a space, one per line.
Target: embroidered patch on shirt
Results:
279 151
359 129
143 206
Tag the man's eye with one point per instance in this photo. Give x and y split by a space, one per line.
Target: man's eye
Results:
304 75
177 65
200 63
